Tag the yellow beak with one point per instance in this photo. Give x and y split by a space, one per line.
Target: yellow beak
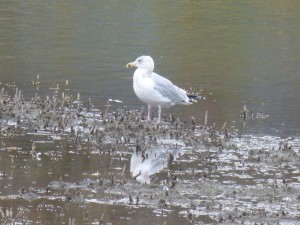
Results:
129 65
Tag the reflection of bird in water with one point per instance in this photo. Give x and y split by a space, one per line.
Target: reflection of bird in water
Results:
154 89
142 168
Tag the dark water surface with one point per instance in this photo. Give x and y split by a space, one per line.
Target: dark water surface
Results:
234 53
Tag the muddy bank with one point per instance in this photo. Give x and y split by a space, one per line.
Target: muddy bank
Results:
65 162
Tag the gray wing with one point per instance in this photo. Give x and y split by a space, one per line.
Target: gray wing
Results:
169 90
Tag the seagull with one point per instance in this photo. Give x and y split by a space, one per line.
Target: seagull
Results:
155 90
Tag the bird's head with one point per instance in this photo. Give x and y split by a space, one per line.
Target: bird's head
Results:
142 62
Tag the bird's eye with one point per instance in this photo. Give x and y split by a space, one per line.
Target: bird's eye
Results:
140 60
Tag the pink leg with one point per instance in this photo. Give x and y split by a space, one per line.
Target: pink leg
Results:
149 112
159 113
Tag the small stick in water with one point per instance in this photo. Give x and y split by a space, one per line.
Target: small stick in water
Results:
205 118
123 171
224 125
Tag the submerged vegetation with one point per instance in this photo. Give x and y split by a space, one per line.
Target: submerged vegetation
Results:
57 154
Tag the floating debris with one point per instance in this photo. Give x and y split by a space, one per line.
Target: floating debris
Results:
114 100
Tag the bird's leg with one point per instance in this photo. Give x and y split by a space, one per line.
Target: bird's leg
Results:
159 113
149 112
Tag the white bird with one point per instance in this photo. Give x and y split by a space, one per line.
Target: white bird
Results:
154 89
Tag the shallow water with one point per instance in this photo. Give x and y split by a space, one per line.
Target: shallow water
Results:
64 164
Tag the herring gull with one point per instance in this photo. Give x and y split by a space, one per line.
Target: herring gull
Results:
154 89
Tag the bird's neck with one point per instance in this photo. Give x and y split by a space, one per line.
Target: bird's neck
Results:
143 72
